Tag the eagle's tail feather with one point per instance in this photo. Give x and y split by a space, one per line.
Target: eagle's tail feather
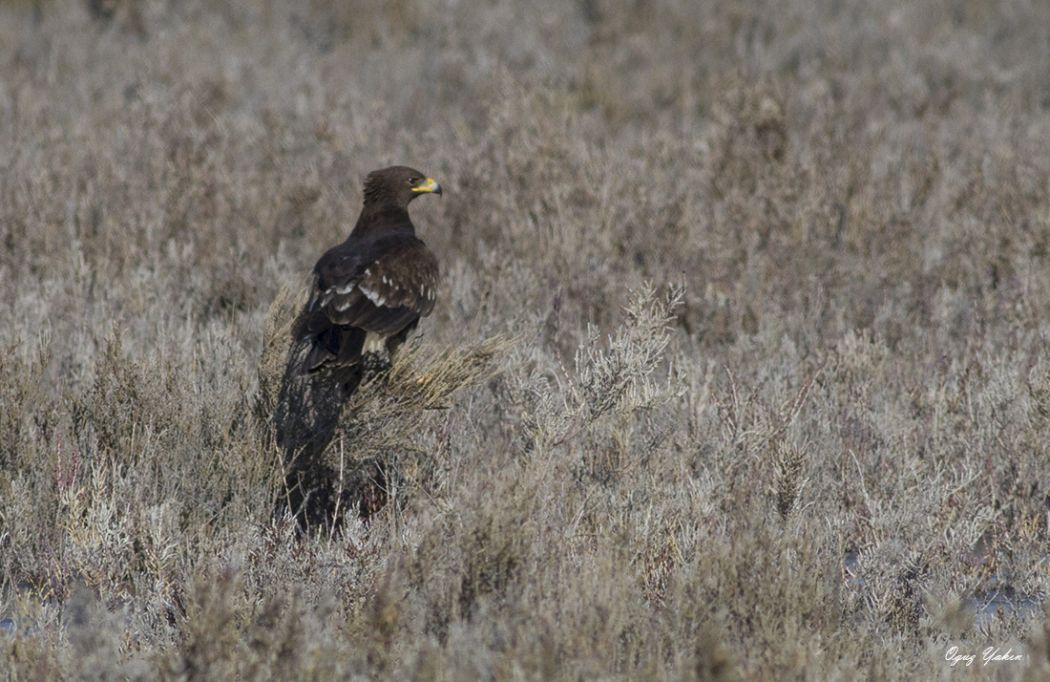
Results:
306 417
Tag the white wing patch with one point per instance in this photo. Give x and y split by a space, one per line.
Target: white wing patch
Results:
373 296
331 292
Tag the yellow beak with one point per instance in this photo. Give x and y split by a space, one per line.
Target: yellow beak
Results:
428 185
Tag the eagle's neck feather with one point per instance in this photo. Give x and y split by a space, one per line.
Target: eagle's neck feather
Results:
383 218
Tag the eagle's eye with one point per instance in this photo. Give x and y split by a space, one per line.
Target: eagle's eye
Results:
414 181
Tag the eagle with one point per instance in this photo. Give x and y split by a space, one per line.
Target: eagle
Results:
366 296
369 292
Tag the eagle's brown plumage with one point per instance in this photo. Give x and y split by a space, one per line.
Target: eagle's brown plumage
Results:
367 295
370 291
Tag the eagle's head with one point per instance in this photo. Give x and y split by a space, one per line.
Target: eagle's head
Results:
397 185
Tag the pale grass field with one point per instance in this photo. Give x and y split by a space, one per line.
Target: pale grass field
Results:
738 370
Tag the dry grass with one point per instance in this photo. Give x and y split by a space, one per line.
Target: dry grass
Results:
738 369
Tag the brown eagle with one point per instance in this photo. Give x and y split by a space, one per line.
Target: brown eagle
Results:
366 297
370 291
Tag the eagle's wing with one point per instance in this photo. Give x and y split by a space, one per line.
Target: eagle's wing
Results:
382 294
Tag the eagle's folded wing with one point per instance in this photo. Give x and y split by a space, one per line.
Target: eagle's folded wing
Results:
382 296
